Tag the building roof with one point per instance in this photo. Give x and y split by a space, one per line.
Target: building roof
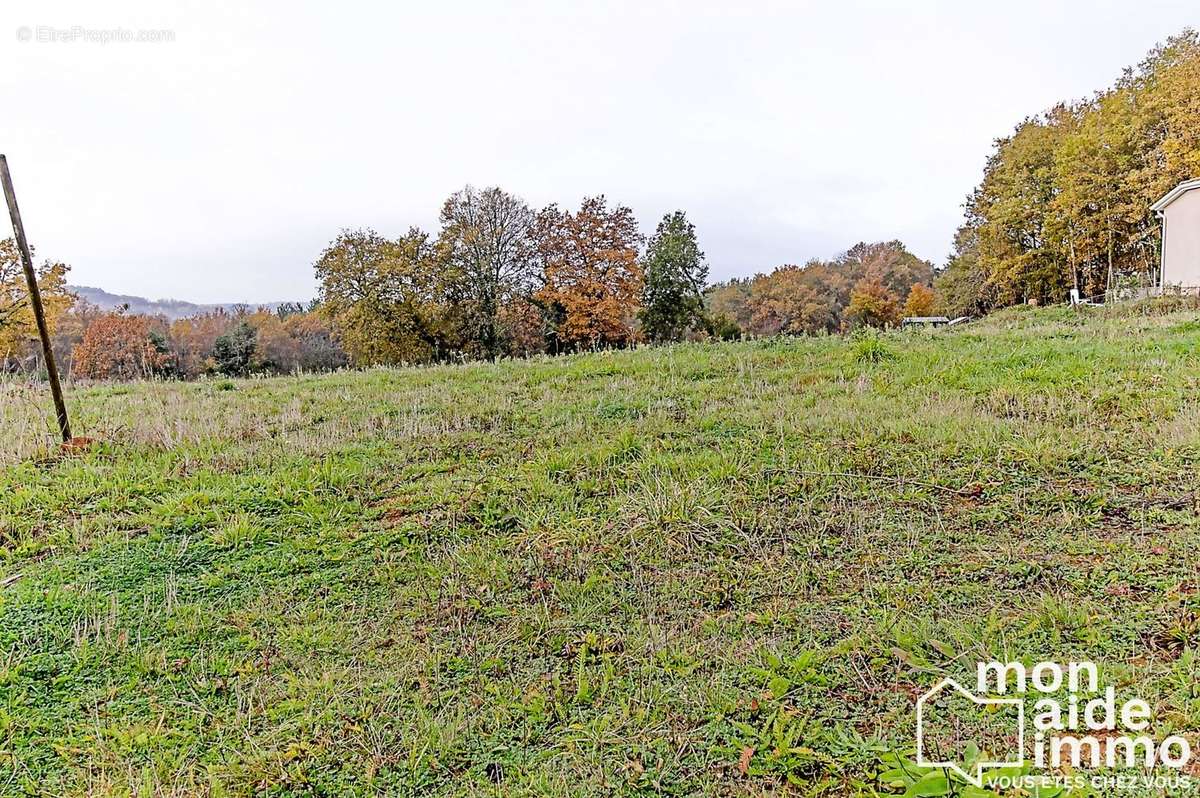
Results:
1174 194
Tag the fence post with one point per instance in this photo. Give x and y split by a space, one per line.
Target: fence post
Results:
35 300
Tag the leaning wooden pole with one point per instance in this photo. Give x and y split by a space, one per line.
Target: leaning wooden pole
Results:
35 300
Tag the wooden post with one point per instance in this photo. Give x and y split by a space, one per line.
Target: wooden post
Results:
35 299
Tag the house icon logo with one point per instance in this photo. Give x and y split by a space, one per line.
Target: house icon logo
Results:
970 764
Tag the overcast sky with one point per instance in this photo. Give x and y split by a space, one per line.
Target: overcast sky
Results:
217 165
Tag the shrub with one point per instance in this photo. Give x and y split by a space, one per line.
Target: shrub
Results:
870 348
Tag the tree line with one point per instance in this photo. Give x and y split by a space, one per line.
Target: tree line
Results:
1063 203
1065 199
117 345
93 343
500 279
868 285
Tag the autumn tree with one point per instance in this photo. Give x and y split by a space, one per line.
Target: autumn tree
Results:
731 300
1019 244
872 305
486 241
192 340
291 339
1169 80
814 298
524 325
962 288
69 330
275 349
890 262
1094 212
920 300
18 330
117 346
391 301
592 280
1064 202
793 300
675 273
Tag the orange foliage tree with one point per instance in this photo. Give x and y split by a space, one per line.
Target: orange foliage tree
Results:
193 338
815 298
872 305
593 282
920 301
120 347
787 302
289 341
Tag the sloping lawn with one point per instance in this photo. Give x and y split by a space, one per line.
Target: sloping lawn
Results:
705 569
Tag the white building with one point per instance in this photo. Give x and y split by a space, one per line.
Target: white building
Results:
1180 214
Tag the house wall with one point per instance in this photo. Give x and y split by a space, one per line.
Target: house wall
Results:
1181 241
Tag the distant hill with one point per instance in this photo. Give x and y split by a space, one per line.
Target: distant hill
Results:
171 308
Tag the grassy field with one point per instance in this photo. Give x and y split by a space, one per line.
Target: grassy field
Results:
705 569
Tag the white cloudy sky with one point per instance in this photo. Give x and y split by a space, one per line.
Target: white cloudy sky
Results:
215 167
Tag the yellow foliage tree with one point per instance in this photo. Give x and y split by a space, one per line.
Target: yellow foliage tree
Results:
391 301
1065 200
18 330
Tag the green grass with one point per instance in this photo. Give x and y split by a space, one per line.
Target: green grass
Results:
620 573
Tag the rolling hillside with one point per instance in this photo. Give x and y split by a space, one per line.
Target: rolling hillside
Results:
170 308
702 569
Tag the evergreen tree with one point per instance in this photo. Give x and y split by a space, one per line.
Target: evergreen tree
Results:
233 352
675 272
